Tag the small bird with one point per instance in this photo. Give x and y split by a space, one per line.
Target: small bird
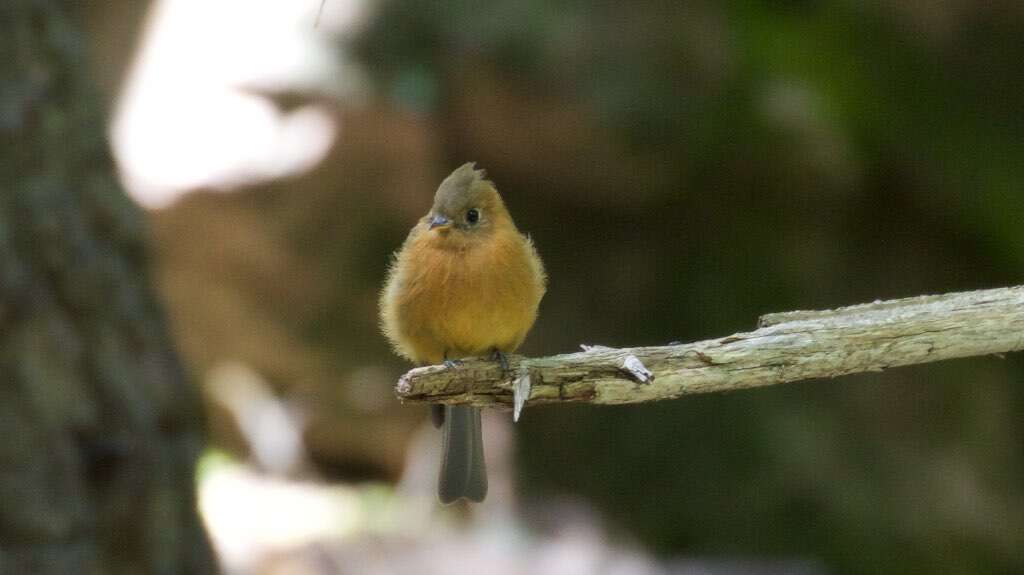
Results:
465 283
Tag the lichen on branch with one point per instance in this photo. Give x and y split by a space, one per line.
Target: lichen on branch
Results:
787 347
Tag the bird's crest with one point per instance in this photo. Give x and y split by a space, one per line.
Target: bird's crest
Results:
460 188
461 180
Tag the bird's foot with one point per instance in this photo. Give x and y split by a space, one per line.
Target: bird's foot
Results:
502 359
452 363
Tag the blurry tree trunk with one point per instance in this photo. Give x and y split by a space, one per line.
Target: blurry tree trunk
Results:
99 430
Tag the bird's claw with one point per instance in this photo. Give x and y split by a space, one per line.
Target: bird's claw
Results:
452 363
501 358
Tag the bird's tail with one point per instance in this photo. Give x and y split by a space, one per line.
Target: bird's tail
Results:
463 473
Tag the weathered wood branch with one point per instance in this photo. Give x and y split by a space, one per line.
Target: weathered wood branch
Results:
787 347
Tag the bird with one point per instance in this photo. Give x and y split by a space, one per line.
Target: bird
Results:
465 283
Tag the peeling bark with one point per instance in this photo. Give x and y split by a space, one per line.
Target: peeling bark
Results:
788 347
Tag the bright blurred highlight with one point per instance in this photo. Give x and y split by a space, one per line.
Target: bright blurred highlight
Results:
197 110
251 516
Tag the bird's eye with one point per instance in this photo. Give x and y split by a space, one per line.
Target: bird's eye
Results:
473 215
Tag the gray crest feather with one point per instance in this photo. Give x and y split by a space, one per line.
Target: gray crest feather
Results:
455 189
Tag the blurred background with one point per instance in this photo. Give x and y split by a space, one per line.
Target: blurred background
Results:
682 170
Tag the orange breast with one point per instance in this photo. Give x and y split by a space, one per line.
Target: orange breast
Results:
460 303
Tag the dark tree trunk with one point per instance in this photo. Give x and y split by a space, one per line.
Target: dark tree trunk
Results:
99 429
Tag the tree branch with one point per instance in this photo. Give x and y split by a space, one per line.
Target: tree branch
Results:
787 347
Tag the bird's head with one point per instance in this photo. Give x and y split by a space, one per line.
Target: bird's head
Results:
467 208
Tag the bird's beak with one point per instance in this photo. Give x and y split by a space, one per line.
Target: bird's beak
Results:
439 221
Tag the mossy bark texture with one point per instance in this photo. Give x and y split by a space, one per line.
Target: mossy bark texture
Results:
99 429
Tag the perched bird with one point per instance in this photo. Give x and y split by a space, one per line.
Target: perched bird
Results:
465 283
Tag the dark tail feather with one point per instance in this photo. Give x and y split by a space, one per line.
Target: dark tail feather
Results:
437 415
463 473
